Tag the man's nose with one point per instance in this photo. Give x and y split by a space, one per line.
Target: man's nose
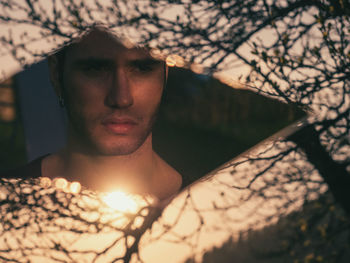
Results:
119 94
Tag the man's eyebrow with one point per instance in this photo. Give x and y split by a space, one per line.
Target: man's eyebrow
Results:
105 61
147 60
92 60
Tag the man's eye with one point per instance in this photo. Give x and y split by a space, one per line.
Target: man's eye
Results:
144 67
95 68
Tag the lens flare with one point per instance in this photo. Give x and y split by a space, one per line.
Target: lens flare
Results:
121 201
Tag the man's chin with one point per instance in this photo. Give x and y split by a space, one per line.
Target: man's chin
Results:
125 147
116 151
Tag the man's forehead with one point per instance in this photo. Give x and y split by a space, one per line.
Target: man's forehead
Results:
103 44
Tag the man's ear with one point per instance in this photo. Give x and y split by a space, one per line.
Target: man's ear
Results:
54 74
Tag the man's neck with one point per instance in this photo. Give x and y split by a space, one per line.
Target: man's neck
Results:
140 172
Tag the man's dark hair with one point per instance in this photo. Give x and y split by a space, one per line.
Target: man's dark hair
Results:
60 56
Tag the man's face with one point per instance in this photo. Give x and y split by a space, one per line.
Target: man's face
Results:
112 94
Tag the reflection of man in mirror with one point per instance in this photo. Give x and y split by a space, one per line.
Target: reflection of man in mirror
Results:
111 94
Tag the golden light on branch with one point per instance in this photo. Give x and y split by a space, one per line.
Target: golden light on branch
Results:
230 81
45 182
170 61
73 227
61 184
74 187
175 60
197 68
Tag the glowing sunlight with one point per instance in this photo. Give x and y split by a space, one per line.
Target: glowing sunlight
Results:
121 201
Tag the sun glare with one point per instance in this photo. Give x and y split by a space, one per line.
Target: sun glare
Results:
121 201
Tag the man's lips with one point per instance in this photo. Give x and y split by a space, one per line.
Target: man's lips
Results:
119 125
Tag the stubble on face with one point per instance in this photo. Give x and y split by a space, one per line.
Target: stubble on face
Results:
90 136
